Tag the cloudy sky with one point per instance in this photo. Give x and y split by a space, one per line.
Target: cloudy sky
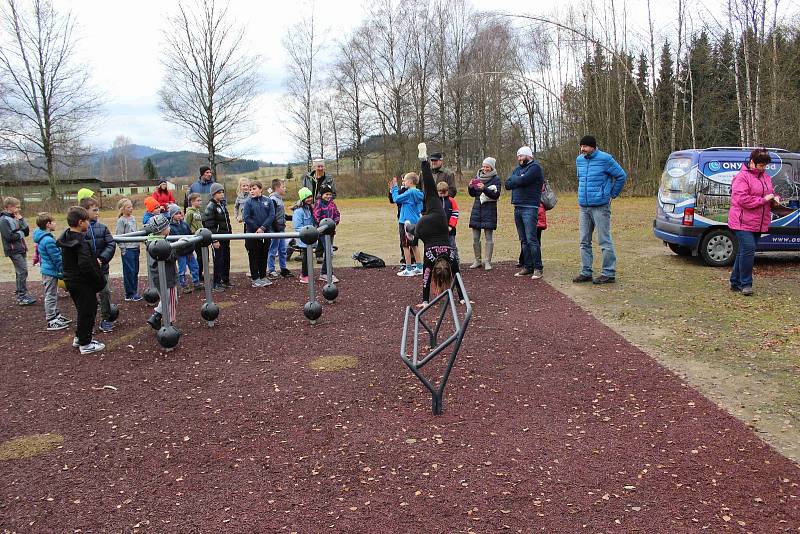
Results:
121 43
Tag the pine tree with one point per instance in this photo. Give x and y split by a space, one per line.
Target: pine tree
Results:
289 172
149 170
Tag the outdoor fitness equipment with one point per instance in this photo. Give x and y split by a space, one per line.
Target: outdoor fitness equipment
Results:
168 336
445 300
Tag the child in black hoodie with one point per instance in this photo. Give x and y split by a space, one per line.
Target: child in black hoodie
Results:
82 276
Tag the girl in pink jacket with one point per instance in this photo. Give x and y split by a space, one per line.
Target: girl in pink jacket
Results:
749 216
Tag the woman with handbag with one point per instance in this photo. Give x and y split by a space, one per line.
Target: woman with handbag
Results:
485 189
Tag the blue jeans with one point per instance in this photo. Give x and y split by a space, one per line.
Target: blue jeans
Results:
742 273
525 218
194 269
277 247
597 218
130 271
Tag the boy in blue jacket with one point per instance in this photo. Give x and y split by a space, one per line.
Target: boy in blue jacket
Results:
177 226
258 214
410 203
52 271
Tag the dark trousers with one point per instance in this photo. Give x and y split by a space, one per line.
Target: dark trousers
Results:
85 300
303 260
130 271
325 258
522 252
257 255
222 263
199 253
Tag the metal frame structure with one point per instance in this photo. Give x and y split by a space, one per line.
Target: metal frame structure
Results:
168 335
446 301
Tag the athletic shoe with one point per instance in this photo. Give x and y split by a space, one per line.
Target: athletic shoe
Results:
227 284
256 282
27 300
477 264
75 343
136 297
487 266
266 282
286 273
64 319
93 346
303 279
537 273
406 272
736 288
747 291
581 278
525 272
106 326
417 271
56 324
401 267
218 288
603 279
273 275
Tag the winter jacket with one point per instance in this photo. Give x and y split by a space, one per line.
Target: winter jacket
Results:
164 198
325 210
170 267
204 188
484 214
49 254
445 175
525 184
311 182
238 205
13 232
126 225
749 211
179 228
216 218
600 178
541 221
451 213
410 204
194 218
302 216
79 264
101 242
280 213
258 212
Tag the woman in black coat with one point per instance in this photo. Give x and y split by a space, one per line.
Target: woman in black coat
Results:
485 188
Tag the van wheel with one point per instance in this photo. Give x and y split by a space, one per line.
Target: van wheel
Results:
680 250
718 248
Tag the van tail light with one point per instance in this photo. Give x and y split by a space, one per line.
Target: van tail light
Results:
688 217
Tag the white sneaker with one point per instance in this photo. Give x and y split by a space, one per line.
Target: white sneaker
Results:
406 272
64 319
75 343
477 264
256 283
93 346
266 282
417 271
537 273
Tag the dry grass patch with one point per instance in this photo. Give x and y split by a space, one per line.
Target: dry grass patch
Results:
338 362
26 446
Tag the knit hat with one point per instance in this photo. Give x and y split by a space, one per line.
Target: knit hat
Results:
525 151
325 189
150 203
156 225
84 193
172 210
304 193
588 140
318 161
162 181
491 162
216 188
203 169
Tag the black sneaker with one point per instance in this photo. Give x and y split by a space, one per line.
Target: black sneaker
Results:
227 284
286 273
218 288
155 321
582 278
603 279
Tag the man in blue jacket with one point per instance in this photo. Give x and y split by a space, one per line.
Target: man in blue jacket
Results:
525 184
600 179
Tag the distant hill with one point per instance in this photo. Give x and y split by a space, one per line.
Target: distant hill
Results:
134 151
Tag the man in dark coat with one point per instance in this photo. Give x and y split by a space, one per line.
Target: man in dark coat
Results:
442 174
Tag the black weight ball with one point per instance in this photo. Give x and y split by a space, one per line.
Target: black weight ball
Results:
309 235
113 314
328 226
168 336
312 311
160 250
330 292
209 311
205 233
151 295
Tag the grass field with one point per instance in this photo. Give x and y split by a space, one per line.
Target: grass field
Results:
742 353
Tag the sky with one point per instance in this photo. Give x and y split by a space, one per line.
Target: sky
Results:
121 43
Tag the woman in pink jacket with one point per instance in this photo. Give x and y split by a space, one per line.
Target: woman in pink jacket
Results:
749 216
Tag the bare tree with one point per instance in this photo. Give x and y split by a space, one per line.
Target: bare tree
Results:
302 45
349 80
209 84
46 102
121 150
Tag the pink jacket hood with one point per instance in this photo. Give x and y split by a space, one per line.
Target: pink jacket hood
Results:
749 211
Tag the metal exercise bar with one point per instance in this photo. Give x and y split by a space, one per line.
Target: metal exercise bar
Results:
446 299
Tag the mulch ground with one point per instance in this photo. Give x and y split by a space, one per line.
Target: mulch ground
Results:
552 422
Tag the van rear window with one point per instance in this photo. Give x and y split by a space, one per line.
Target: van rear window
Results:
679 178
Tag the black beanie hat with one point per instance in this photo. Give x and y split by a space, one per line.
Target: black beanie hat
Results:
203 169
589 140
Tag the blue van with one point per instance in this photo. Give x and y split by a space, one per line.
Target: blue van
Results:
695 194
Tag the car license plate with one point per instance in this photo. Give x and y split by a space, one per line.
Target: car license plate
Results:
669 208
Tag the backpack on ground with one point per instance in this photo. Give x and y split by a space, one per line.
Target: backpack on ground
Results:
368 261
